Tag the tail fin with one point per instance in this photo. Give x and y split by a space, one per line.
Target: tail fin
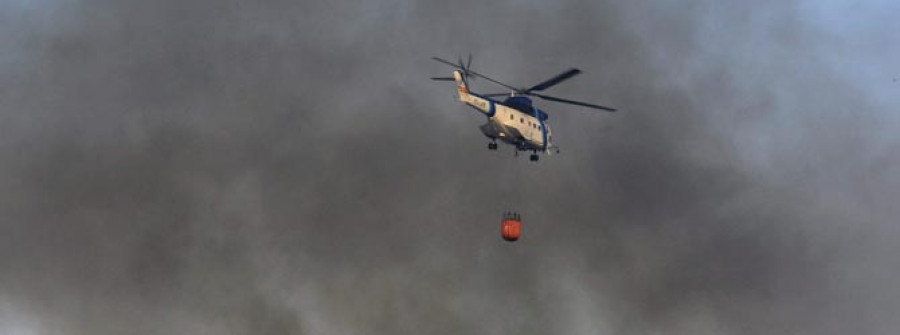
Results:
461 84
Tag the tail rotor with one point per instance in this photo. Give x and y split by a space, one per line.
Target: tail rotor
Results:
465 68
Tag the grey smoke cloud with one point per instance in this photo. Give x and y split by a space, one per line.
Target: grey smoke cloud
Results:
283 167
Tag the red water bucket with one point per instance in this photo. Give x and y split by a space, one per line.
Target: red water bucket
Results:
511 227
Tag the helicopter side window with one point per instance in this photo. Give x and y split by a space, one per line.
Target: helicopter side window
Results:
521 120
511 117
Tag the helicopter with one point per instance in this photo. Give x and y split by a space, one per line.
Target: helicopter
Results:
514 120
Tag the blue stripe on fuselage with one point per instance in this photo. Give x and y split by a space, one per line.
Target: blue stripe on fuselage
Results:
543 134
543 127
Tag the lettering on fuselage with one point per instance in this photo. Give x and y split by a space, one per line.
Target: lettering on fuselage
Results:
479 104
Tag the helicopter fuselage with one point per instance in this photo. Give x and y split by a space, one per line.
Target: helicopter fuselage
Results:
513 121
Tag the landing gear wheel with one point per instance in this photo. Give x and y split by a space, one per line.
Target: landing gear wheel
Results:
533 157
492 146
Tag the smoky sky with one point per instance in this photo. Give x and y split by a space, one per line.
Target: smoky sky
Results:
286 167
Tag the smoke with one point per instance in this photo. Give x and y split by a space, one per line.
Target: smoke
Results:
286 167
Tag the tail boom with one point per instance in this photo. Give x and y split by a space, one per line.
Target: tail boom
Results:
482 104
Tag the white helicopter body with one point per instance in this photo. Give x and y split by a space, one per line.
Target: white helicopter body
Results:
506 123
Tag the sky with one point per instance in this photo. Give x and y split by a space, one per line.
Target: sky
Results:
286 167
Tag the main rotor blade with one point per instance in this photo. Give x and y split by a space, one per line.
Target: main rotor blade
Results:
443 78
494 81
445 62
476 74
585 104
494 94
555 80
